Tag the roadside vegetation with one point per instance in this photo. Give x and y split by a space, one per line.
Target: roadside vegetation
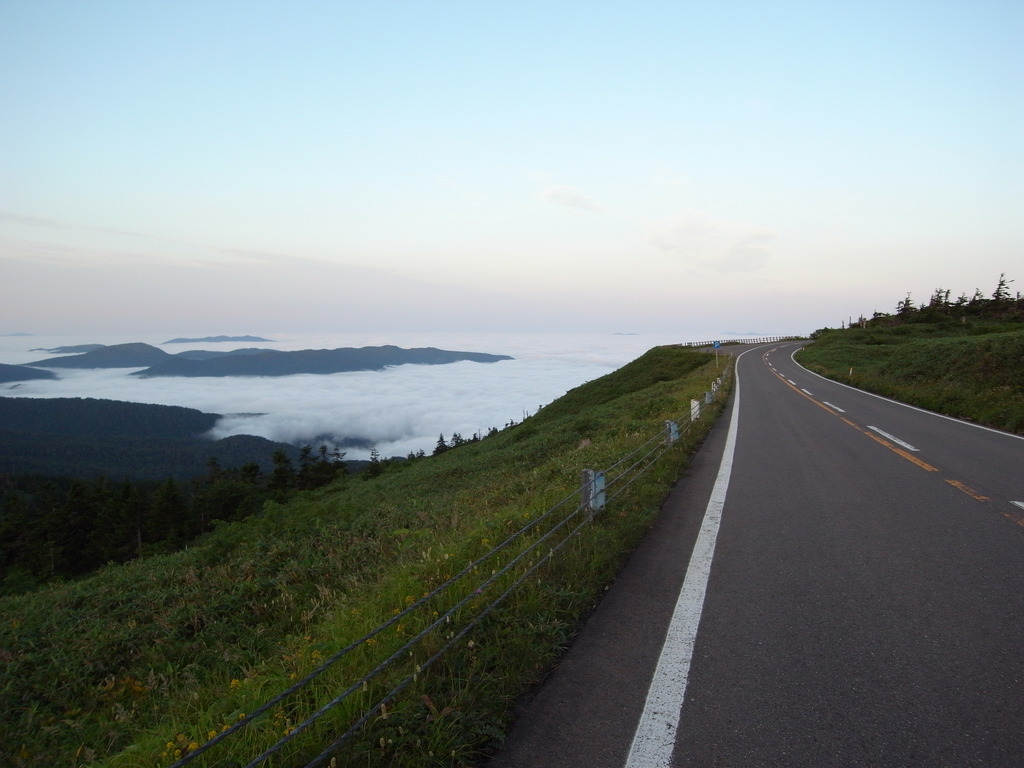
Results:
962 357
143 662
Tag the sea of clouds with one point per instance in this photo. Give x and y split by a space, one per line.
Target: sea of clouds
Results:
400 410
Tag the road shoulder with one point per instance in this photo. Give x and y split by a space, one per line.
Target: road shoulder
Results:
586 712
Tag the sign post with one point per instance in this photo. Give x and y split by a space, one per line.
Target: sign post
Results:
717 345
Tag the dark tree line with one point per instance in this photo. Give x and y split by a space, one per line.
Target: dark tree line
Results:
457 439
67 527
1002 306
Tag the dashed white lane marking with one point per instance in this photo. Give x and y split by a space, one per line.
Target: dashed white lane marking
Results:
896 440
806 392
791 382
655 736
1018 504
833 407
968 424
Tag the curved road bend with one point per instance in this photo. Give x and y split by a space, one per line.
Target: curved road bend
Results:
864 603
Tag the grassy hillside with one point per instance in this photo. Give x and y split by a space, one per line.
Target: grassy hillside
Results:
971 368
142 663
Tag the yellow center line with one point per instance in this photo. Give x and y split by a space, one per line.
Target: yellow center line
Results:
899 451
1012 517
968 490
878 439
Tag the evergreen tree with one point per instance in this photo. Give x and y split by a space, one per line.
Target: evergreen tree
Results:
1002 293
167 521
319 471
282 478
17 532
376 467
117 533
905 307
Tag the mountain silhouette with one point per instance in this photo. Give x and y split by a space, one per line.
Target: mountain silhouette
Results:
259 362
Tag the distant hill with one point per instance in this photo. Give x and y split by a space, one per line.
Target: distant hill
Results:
109 418
218 339
322 361
85 437
134 355
23 373
259 362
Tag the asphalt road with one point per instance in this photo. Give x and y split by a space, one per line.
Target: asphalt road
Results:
856 598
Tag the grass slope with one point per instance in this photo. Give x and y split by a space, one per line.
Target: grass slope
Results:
973 371
143 662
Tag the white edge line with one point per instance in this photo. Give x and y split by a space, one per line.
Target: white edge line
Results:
792 357
1018 503
896 440
655 736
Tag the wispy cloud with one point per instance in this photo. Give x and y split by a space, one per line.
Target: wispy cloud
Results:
40 222
715 244
121 246
570 197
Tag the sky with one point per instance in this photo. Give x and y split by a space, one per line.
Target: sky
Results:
703 168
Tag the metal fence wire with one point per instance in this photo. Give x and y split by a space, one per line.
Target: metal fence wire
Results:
535 544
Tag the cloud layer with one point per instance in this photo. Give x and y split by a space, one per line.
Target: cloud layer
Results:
399 410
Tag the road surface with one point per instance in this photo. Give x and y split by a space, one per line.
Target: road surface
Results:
838 580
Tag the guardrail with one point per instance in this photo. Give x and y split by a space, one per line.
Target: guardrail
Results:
726 342
448 613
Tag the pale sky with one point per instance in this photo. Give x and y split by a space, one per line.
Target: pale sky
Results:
258 167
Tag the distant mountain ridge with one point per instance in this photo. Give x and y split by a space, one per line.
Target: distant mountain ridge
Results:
217 339
259 362
133 355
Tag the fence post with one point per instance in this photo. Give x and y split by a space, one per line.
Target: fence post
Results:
671 432
694 410
593 491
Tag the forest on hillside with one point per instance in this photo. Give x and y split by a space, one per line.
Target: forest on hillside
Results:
61 527
87 482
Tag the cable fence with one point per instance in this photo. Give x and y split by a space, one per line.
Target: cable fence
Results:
446 614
